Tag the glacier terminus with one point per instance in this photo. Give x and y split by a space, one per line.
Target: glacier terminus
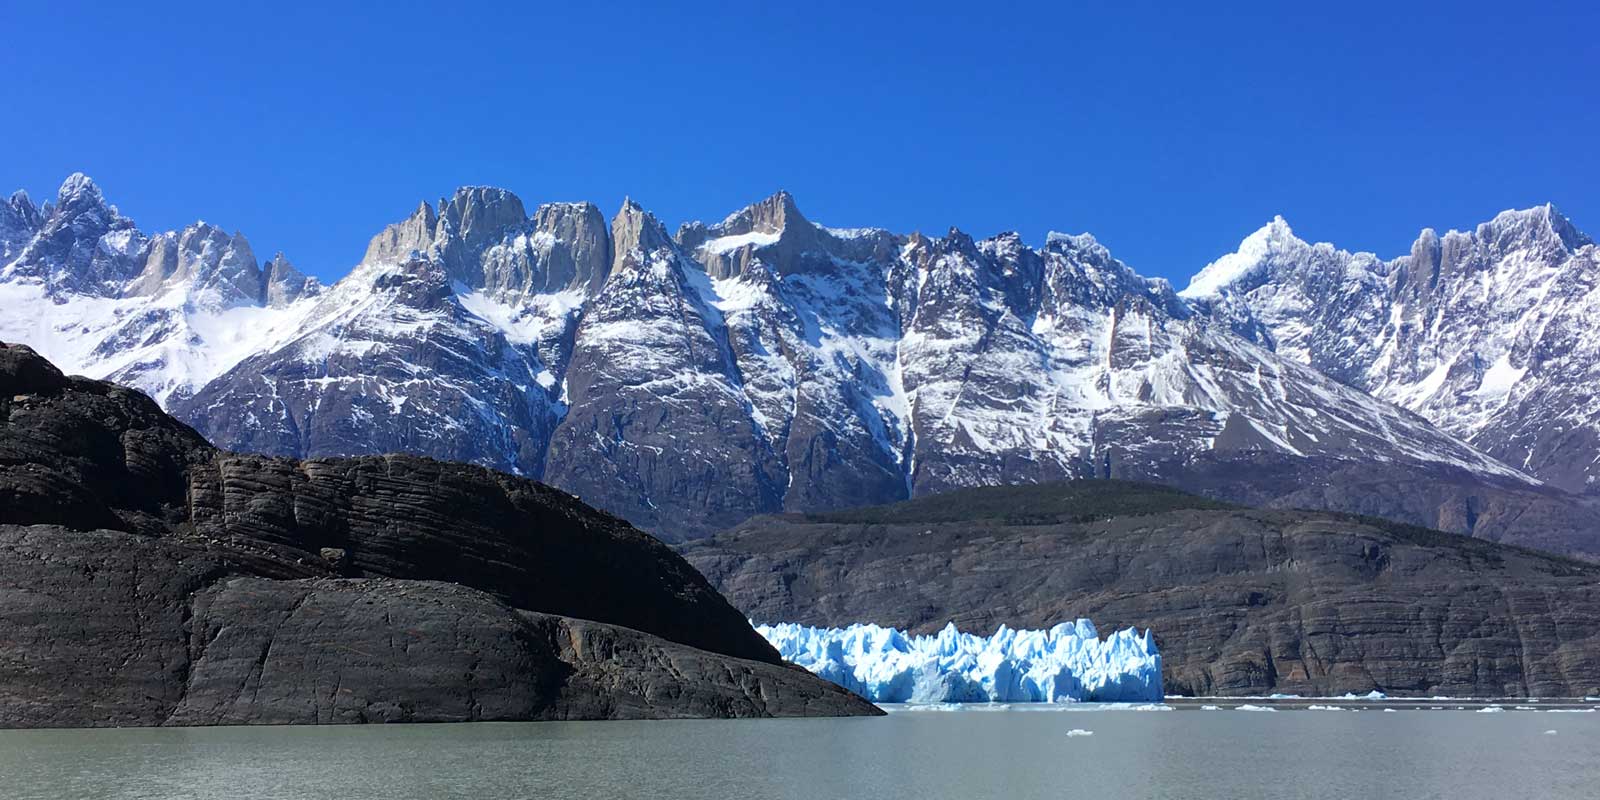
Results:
1066 664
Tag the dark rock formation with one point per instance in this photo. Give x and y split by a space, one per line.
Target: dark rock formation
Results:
1242 601
147 578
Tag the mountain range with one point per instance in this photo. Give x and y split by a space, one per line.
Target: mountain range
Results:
687 381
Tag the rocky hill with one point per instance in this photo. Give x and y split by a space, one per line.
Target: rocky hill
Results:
760 364
1242 601
147 578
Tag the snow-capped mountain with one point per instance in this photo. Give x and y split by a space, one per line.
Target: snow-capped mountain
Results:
165 313
1491 334
760 364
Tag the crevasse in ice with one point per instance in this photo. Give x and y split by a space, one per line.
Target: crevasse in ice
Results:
1067 663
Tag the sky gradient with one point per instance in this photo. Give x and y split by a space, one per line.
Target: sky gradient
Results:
1169 134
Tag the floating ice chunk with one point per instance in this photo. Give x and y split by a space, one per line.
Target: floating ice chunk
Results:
1082 732
1068 663
1372 695
1390 711
1211 708
1248 707
1490 710
1324 708
1550 733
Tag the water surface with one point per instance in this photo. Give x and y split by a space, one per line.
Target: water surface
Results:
1187 753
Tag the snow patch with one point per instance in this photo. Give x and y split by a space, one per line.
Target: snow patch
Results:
725 244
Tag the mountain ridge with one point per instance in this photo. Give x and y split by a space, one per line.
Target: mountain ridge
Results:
762 363
1487 332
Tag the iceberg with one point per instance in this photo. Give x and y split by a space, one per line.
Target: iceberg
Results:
1067 663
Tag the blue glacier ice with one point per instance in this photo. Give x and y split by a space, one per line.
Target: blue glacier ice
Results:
1068 663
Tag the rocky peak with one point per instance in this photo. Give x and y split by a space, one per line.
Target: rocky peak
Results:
215 266
1080 271
1082 243
79 194
635 233
772 232
76 243
398 241
1021 270
772 215
564 246
1250 265
1541 227
284 284
958 241
577 245
691 235
474 215
19 207
1534 235
1422 268
19 221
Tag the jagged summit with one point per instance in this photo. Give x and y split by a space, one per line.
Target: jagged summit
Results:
634 229
1275 245
1487 332
1543 224
768 215
1249 264
79 190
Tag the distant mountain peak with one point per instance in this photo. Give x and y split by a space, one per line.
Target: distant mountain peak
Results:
1513 227
79 188
1239 269
634 228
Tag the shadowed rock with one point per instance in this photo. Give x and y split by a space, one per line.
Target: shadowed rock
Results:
147 578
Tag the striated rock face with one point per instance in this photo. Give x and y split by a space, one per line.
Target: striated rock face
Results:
147 578
1241 601
760 364
1488 333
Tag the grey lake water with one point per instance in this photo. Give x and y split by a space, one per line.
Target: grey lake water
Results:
1186 753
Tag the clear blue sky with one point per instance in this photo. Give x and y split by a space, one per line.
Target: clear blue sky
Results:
1169 134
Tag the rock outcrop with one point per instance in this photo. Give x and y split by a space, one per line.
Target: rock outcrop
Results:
147 578
1242 601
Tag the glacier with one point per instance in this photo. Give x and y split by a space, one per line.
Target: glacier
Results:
1065 664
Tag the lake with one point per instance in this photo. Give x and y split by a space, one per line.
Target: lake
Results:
1016 753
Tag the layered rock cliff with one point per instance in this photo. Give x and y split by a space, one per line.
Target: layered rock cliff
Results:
1242 601
147 578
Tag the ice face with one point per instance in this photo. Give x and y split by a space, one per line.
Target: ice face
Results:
1068 663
